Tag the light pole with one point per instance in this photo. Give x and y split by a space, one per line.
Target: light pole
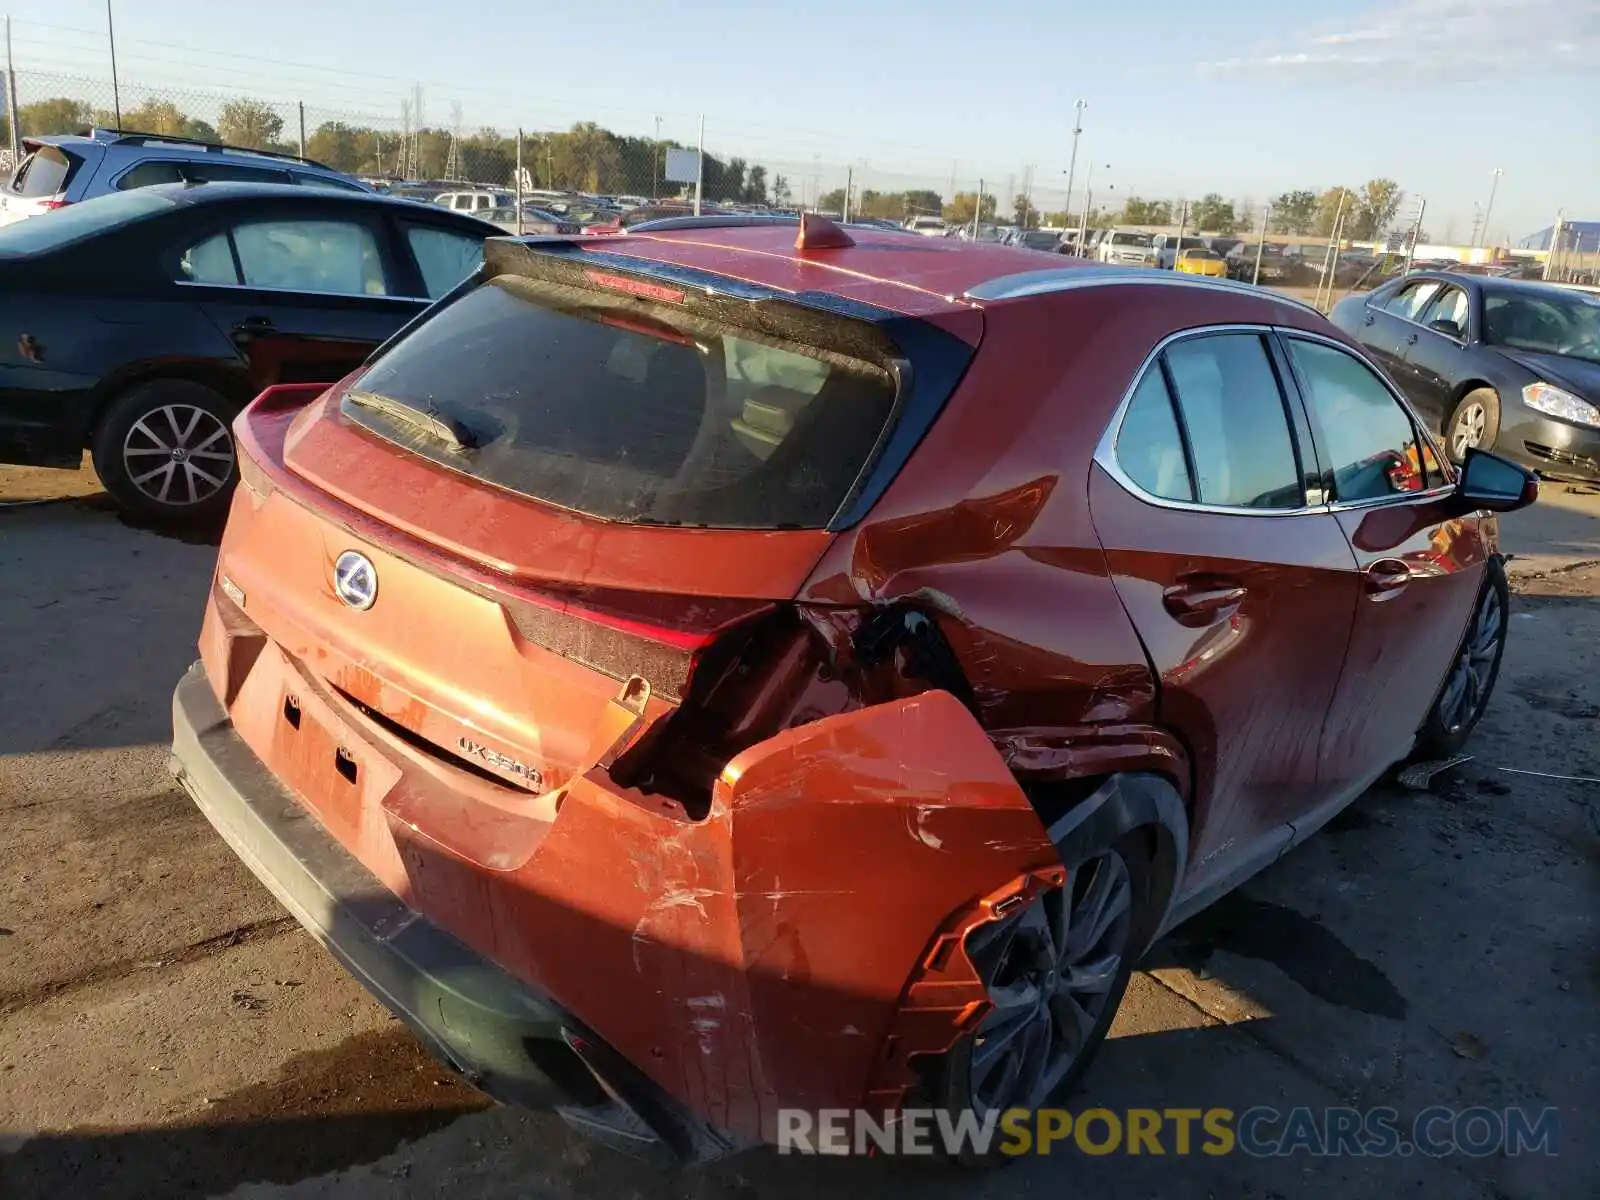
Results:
1072 163
655 182
116 93
1488 209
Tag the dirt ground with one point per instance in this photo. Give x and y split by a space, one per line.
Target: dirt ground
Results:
166 1031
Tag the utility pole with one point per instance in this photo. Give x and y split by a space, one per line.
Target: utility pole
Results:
1177 246
1083 223
519 181
700 166
116 93
1333 242
849 185
1477 223
11 102
1261 244
1555 247
977 209
1072 163
302 129
655 179
1488 209
1416 230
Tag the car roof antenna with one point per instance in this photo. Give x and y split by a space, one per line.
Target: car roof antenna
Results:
818 233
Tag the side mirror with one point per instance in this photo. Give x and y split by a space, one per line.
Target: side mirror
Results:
1497 484
1449 328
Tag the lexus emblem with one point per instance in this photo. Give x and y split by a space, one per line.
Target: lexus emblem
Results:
355 580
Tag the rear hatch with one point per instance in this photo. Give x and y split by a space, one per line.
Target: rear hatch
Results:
40 181
572 485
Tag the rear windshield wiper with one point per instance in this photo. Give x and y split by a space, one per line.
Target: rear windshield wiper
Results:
443 426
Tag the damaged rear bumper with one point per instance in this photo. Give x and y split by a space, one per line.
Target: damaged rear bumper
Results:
507 1039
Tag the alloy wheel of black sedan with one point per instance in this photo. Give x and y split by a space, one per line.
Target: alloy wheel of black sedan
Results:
178 455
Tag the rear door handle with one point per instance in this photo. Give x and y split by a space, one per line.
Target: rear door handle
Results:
254 325
1386 577
1412 340
1201 603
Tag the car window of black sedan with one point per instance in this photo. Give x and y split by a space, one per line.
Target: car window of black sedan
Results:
210 262
445 256
1544 324
1369 438
1450 304
332 257
1412 298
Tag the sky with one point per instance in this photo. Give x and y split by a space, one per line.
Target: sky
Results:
1248 98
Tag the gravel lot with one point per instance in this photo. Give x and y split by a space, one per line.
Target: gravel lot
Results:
166 1030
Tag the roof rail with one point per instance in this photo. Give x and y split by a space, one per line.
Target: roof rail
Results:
1061 279
736 221
710 221
134 138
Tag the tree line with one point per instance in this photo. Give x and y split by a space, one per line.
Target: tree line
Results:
590 158
586 157
1368 211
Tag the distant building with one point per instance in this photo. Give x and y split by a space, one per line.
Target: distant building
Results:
1582 236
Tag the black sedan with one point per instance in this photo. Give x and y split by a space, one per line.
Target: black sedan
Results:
137 324
1496 364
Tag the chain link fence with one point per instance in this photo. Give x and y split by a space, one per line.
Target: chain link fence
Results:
419 140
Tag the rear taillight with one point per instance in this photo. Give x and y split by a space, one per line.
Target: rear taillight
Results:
789 666
52 205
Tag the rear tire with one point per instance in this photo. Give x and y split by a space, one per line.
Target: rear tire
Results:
1474 425
1041 1050
164 451
1468 685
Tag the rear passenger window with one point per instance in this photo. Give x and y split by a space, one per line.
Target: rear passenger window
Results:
1233 413
1412 298
1149 446
1370 439
147 174
207 172
210 262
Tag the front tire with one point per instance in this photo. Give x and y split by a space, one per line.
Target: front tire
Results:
1056 972
1474 425
164 451
1464 694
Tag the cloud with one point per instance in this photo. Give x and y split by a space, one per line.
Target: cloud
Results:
1432 41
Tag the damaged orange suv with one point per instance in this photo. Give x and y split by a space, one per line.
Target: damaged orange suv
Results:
709 670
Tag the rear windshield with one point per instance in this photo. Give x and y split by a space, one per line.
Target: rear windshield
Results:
44 173
630 409
50 230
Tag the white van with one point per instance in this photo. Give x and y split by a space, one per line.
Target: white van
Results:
927 226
